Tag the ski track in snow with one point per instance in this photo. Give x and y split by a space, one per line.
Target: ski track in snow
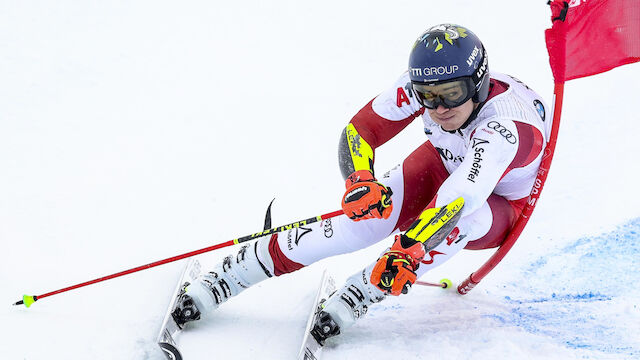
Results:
570 296
582 292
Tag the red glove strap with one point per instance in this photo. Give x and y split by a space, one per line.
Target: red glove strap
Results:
414 249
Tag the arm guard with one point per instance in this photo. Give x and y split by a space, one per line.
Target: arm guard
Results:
354 153
434 224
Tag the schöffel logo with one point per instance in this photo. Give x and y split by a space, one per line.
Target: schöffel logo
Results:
478 148
439 70
506 133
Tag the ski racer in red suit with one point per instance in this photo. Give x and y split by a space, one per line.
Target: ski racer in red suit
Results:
462 189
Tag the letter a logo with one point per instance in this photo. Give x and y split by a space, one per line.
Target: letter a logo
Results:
402 97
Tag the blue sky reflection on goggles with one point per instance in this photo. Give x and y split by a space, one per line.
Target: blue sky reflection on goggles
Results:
449 94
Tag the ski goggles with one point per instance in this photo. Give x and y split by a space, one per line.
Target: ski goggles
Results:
449 94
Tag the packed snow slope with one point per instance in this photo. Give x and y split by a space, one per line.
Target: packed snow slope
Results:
135 131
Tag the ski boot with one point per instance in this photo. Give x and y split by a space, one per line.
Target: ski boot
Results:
228 279
346 305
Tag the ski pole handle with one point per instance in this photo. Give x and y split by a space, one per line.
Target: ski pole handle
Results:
27 300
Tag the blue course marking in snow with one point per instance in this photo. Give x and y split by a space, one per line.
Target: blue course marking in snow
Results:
564 297
385 309
581 292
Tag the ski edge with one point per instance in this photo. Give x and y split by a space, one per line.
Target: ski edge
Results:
169 330
310 348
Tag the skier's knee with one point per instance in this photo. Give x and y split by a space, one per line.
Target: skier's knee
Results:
274 261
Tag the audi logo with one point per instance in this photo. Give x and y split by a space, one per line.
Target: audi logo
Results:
328 229
506 133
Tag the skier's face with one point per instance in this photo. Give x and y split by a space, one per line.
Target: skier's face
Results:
452 118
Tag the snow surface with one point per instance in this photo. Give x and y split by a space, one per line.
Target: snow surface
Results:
134 131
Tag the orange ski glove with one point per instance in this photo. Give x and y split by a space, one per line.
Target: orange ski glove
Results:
366 198
395 271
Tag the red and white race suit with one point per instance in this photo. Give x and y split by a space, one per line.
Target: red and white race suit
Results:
491 162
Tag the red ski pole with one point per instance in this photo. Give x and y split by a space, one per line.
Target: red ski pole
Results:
27 300
444 283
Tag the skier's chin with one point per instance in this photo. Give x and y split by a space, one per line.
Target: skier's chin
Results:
450 123
453 118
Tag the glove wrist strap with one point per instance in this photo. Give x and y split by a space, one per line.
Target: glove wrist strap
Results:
358 176
414 250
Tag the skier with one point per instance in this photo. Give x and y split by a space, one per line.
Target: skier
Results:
461 189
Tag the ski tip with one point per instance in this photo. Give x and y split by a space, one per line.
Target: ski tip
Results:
446 283
27 300
267 217
170 351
